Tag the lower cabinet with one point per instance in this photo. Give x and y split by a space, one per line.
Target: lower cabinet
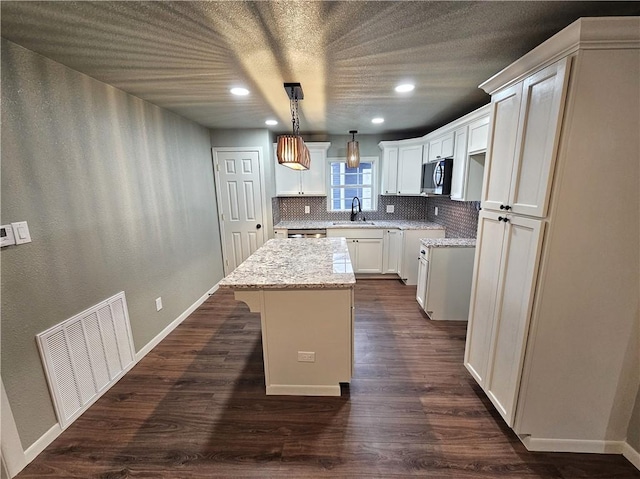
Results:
505 270
408 270
365 248
392 251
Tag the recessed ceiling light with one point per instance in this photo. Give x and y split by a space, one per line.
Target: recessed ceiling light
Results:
239 91
377 120
271 122
405 88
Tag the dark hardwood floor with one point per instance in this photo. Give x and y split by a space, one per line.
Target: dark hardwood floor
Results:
195 407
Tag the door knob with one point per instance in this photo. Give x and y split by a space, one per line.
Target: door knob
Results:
258 226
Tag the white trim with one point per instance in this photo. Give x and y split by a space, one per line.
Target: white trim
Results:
13 459
43 441
301 390
572 445
174 324
631 455
585 33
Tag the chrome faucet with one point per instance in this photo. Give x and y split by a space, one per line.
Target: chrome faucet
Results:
354 213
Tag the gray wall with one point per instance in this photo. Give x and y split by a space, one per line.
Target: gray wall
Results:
118 194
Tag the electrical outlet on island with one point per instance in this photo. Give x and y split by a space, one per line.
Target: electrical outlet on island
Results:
435 211
307 209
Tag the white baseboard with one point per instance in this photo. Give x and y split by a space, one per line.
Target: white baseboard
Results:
174 324
43 441
631 455
572 445
302 390
48 437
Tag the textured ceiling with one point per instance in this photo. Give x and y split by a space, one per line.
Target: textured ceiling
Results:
184 56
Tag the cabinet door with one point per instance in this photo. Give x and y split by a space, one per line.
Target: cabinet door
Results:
353 253
410 170
389 179
280 233
421 291
478 135
287 181
441 147
518 271
392 251
505 112
460 162
541 114
314 180
483 294
369 256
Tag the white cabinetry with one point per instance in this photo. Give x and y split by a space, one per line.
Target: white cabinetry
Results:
392 251
401 167
505 272
389 179
311 182
526 129
552 335
478 135
441 147
365 248
280 233
410 248
459 165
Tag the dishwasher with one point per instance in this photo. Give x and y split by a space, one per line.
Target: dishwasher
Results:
315 233
444 281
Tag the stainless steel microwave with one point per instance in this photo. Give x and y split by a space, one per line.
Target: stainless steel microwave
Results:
436 177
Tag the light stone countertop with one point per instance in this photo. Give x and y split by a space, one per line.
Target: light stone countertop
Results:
448 242
373 224
300 263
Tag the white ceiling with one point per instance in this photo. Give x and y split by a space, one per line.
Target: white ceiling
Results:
184 56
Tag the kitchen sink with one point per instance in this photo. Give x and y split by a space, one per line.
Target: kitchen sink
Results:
354 223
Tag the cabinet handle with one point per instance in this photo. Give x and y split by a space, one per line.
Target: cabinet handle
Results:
501 207
505 207
505 219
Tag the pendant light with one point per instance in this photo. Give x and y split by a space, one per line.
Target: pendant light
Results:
291 150
353 151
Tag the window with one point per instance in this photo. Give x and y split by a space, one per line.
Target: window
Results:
345 183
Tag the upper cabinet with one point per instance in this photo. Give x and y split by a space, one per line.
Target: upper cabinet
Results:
526 129
478 135
441 147
401 167
311 182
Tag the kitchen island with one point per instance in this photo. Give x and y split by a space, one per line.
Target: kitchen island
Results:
303 290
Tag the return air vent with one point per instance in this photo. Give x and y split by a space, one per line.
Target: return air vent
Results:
85 355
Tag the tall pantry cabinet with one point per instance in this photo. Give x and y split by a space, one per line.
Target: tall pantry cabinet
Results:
553 336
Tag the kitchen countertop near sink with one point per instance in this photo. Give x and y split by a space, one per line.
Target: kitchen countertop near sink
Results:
374 224
448 242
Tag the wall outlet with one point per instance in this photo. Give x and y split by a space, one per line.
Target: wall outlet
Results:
306 357
307 209
435 211
158 304
390 208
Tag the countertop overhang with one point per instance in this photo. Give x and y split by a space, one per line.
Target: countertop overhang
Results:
300 263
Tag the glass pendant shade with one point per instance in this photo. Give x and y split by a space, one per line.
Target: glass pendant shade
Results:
353 151
292 152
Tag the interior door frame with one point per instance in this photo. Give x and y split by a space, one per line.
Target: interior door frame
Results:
267 222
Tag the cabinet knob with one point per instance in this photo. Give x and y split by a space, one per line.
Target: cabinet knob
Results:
502 218
507 207
501 207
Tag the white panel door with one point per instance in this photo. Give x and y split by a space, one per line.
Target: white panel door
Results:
240 203
541 112
520 258
409 170
486 274
505 112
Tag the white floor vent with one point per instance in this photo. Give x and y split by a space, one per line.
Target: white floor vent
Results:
85 355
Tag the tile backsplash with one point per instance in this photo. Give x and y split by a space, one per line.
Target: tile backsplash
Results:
459 218
292 208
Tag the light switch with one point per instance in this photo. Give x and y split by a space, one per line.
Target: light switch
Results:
21 232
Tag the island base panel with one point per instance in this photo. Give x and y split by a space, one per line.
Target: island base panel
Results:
315 321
